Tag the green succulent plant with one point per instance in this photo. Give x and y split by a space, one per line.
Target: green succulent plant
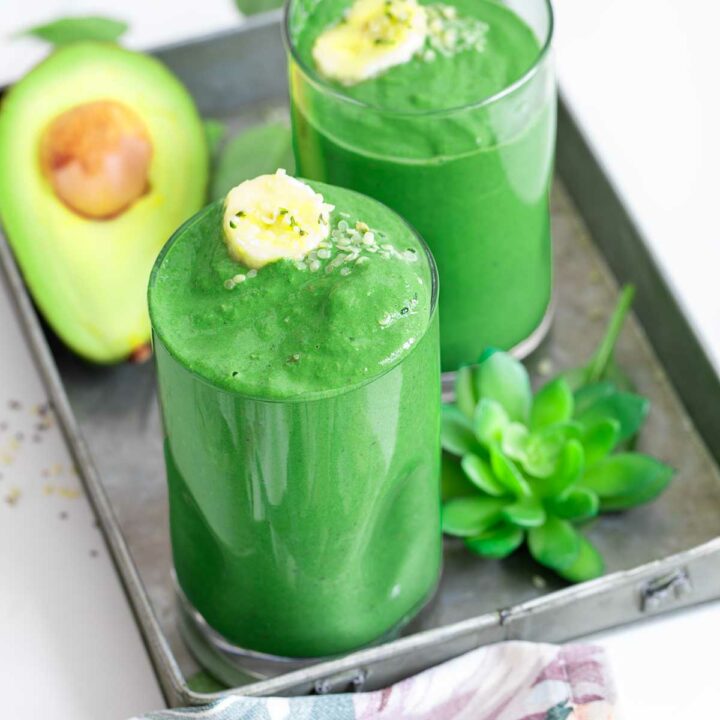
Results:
521 468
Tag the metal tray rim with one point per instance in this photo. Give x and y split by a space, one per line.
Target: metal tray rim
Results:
502 622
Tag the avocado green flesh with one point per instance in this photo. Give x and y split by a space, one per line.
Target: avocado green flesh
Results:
303 491
474 182
89 277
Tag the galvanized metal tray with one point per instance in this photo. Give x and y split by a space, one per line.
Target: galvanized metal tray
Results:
659 557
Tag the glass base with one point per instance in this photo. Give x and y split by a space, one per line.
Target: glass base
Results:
522 350
229 663
235 666
531 343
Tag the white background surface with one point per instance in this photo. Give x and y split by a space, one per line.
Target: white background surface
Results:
641 78
152 23
69 648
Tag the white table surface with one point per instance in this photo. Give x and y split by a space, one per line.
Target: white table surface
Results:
69 648
640 78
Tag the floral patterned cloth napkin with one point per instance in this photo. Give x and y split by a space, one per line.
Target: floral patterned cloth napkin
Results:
507 681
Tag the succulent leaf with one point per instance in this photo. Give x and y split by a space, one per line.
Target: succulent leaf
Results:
569 469
627 479
576 378
588 564
514 441
465 391
525 513
490 421
481 475
541 455
576 504
601 359
562 432
553 404
618 377
454 481
541 450
600 439
497 542
601 365
627 409
456 432
502 378
471 516
556 544
508 474
586 396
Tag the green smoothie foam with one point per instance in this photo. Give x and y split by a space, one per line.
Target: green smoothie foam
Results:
509 49
292 329
301 410
472 176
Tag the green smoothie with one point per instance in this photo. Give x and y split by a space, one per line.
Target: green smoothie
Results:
458 139
301 411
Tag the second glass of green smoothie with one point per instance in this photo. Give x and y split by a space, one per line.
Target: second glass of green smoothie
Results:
459 139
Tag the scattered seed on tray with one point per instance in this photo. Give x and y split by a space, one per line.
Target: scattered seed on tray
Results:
539 582
545 367
41 409
12 496
69 493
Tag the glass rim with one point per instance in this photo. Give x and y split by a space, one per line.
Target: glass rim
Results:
316 395
312 76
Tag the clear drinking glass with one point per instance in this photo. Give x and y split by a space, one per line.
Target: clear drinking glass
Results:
306 527
474 181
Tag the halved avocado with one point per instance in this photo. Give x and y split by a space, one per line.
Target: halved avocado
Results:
102 156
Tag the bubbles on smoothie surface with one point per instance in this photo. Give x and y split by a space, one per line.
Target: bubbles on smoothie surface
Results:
450 33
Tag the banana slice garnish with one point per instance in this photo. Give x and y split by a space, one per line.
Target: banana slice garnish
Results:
272 217
373 36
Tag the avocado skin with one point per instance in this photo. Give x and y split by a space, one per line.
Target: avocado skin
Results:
89 277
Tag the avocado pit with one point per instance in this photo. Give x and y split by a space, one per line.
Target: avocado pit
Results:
97 158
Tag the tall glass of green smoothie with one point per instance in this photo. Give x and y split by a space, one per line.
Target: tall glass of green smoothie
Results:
297 348
445 111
